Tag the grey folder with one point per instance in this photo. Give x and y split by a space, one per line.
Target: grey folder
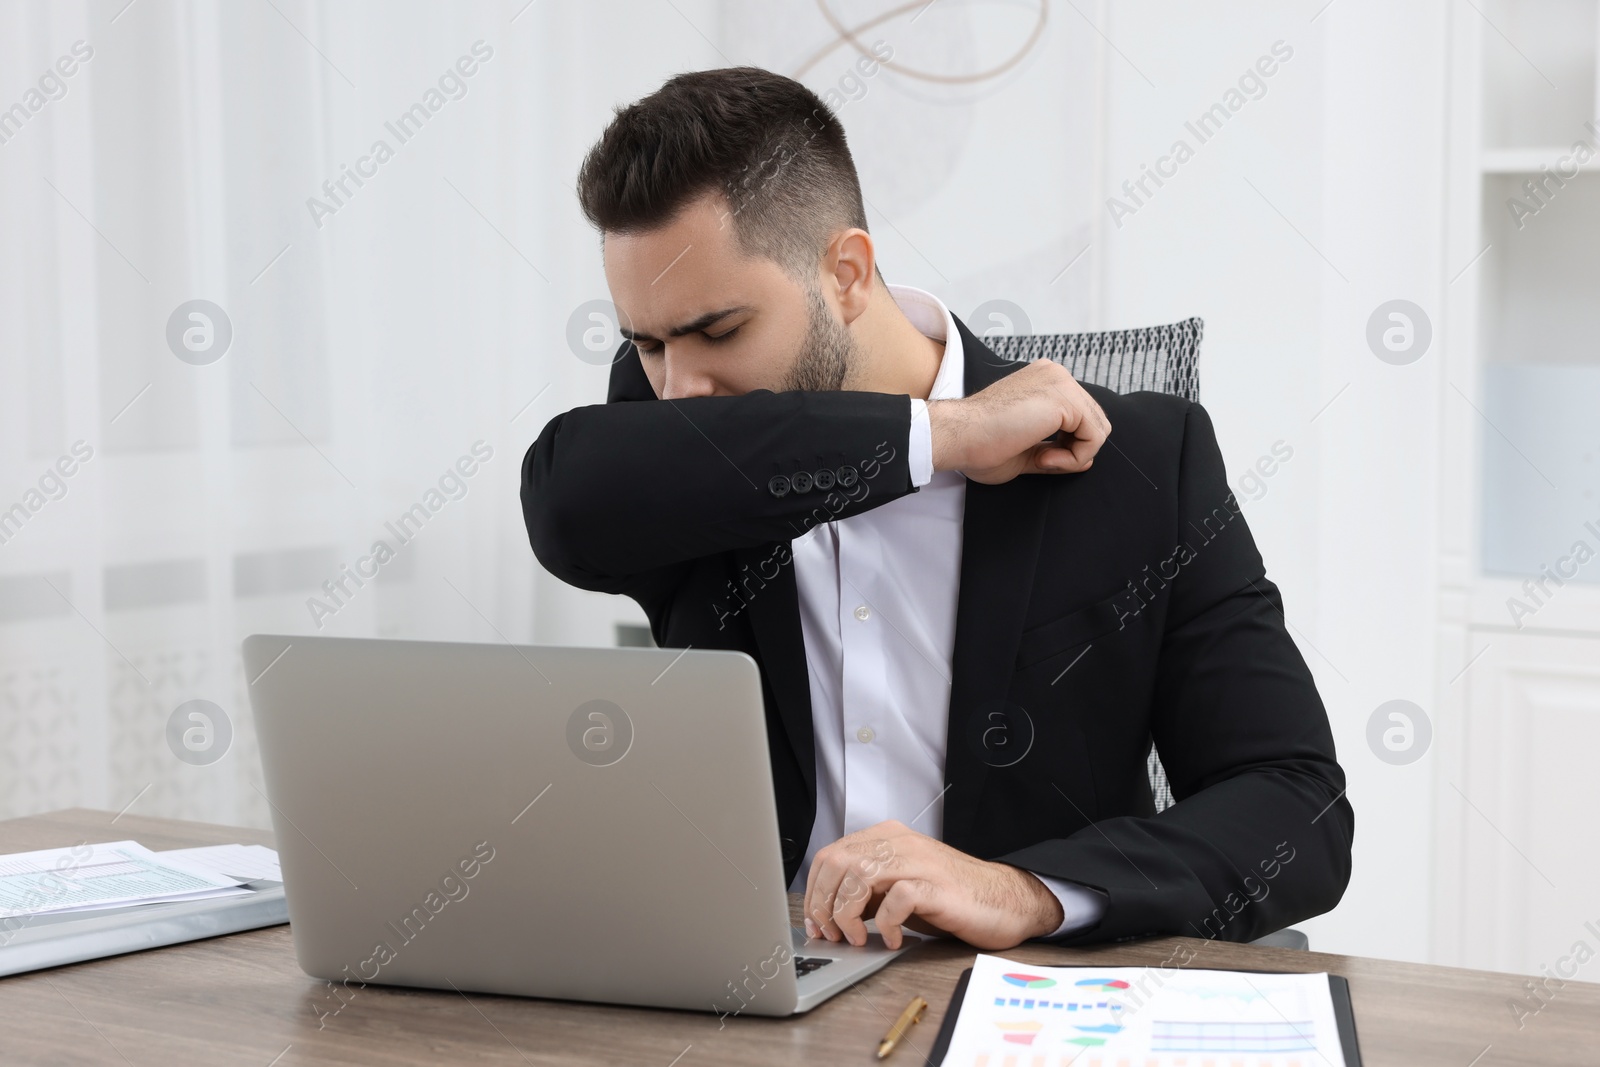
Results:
52 940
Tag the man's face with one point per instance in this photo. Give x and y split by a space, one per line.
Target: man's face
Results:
709 320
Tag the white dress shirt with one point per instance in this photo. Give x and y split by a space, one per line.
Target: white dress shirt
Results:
878 598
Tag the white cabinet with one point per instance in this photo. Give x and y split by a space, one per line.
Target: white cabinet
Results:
1516 793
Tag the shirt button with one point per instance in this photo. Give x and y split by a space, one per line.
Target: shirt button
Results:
863 613
865 735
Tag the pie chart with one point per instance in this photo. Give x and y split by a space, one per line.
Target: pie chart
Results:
1100 983
1029 981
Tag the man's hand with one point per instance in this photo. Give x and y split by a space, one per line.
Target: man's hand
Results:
1000 432
899 877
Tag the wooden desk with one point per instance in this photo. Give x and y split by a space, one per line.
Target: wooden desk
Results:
242 999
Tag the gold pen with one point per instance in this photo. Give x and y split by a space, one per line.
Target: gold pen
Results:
912 1014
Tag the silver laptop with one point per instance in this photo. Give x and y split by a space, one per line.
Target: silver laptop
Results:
585 824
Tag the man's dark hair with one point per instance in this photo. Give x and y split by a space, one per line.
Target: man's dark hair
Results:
768 144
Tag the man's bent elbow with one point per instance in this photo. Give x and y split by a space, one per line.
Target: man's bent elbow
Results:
553 517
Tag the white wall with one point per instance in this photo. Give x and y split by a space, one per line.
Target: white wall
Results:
1311 206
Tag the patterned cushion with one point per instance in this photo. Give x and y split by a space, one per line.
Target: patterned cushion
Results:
1162 359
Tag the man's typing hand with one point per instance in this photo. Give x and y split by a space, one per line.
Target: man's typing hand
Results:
1038 420
899 877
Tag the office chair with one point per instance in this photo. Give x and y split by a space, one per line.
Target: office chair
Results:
1162 359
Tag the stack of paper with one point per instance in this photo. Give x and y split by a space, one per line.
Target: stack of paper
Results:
86 877
1016 1014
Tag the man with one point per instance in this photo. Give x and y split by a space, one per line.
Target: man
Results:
972 620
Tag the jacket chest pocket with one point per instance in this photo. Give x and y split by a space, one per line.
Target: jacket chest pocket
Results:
1075 628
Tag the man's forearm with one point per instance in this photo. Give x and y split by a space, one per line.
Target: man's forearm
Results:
623 488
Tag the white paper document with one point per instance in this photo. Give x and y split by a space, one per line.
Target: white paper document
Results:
248 863
113 874
1021 1015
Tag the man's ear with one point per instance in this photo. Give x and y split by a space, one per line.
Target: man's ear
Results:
850 263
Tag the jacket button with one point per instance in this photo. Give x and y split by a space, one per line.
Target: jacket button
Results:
801 481
823 479
778 486
848 476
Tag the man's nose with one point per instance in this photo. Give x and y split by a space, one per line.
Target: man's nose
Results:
685 382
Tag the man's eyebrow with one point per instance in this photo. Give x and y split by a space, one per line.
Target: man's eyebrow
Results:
708 319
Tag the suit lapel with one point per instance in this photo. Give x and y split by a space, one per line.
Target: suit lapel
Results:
775 621
1002 528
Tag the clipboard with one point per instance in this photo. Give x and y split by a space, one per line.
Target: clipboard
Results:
1338 988
72 937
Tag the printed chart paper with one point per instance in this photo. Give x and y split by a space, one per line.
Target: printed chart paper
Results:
1020 1015
86 877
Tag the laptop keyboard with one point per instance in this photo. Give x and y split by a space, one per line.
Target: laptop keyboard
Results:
804 965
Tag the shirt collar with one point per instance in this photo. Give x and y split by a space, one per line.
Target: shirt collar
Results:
933 320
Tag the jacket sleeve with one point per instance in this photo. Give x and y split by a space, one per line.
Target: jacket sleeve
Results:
1259 836
616 493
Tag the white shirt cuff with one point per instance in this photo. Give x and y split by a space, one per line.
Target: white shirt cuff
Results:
919 451
1081 907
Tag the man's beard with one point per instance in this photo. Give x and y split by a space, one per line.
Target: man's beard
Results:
827 354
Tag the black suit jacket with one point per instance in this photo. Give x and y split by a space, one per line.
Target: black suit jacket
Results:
1098 612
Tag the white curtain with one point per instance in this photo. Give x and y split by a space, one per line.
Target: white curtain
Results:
395 330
